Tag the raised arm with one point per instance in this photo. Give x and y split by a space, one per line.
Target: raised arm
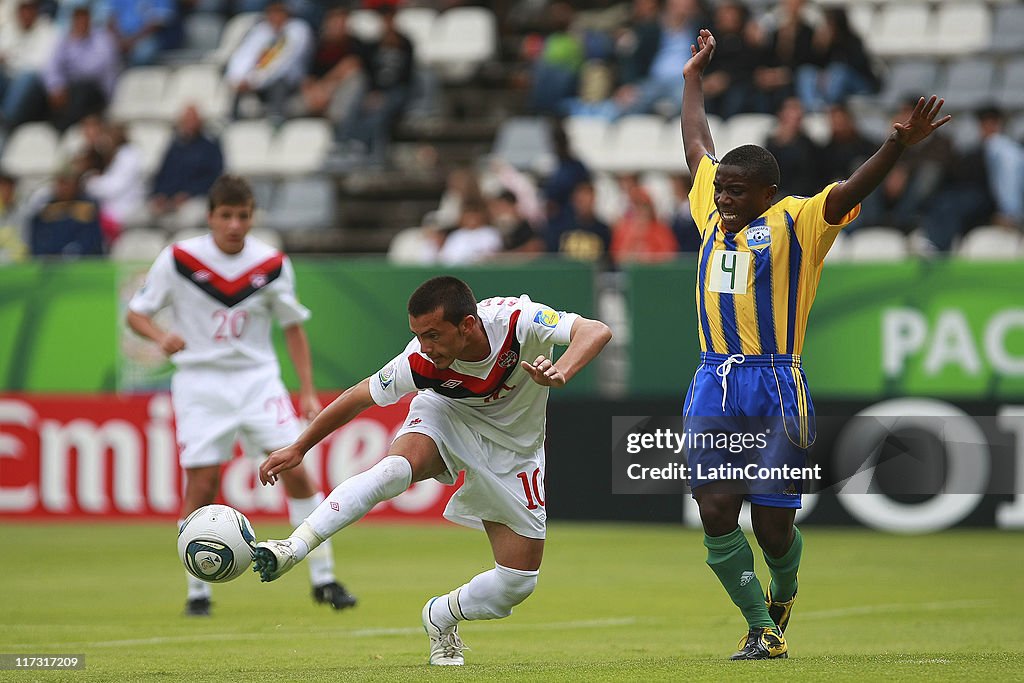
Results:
696 135
869 175
342 410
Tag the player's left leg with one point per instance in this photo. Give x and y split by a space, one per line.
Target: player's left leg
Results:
489 595
201 486
782 546
303 498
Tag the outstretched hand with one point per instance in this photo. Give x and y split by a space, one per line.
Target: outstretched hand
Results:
279 461
543 372
921 122
700 54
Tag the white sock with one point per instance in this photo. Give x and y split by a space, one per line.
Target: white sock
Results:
490 595
320 560
196 587
354 497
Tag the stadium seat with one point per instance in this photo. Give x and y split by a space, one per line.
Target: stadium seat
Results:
365 24
416 23
31 150
139 93
202 37
140 245
862 18
590 140
302 204
1015 127
635 140
840 250
609 201
876 244
968 82
902 29
232 35
961 28
963 131
301 146
268 235
461 39
669 157
198 84
990 243
659 187
152 138
816 126
411 247
524 142
910 77
247 147
1008 29
747 129
1010 93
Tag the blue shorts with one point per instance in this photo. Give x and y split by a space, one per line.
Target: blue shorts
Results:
748 419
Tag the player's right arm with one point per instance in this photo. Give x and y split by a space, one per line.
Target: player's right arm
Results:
143 325
697 139
341 411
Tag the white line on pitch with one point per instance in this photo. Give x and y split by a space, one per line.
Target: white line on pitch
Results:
937 606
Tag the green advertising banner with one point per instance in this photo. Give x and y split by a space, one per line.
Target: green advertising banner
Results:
945 328
62 329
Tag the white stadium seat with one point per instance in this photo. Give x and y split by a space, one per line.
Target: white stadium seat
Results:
31 150
140 93
902 29
961 28
231 37
416 23
461 39
990 243
301 146
140 245
635 141
152 138
590 140
247 147
876 244
198 84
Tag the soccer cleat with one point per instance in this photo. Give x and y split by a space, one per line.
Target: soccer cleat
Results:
271 559
334 594
197 607
762 643
779 611
445 645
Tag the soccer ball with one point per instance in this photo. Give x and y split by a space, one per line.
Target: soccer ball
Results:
215 543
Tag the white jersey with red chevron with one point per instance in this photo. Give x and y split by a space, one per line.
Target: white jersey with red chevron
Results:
223 305
495 397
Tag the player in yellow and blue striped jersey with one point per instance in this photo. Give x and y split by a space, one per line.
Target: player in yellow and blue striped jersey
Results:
759 266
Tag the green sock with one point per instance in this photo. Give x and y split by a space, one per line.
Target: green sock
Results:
784 569
732 561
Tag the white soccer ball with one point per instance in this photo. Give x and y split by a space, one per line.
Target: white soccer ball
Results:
215 543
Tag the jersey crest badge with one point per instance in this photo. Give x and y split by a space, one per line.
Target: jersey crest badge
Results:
508 359
546 317
258 280
758 234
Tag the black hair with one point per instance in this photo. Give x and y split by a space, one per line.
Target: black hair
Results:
756 162
453 296
230 190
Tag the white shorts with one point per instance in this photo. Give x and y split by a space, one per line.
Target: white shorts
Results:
214 408
501 485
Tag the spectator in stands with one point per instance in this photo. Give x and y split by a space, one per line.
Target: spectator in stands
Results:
191 163
557 188
839 64
67 222
986 184
12 223
516 232
120 186
729 80
578 233
461 187
474 240
335 74
388 67
271 61
796 153
636 45
683 226
25 48
786 40
82 71
661 88
639 235
914 181
143 29
556 68
846 151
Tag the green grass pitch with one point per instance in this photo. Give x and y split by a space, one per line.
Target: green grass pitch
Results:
614 603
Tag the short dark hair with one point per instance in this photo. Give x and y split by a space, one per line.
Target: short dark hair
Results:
453 296
757 163
230 190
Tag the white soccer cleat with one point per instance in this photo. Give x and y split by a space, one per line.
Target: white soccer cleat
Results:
271 559
445 645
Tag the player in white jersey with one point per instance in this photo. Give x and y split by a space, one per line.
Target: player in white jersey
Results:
224 290
482 372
